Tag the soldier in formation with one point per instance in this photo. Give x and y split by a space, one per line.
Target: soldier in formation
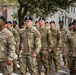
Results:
42 58
55 50
7 48
63 47
30 46
39 46
71 42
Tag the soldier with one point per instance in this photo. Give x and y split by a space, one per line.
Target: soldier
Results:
46 24
15 33
71 41
55 51
15 26
7 48
23 25
37 25
63 45
42 58
70 27
30 46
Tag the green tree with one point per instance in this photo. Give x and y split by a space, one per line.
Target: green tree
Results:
41 7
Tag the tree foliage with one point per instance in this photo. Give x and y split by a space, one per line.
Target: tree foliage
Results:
39 7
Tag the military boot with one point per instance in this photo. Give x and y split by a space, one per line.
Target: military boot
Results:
39 72
65 65
50 71
46 72
57 68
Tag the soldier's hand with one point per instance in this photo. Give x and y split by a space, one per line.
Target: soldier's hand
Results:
58 48
49 50
34 55
8 62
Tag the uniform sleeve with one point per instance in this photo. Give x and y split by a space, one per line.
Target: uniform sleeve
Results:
58 39
17 39
37 42
11 46
50 42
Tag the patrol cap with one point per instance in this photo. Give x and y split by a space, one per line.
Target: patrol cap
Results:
41 18
15 21
23 23
46 22
61 21
70 24
8 22
28 18
74 21
52 21
3 18
36 22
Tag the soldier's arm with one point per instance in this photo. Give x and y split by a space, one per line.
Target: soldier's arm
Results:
11 46
17 39
58 39
49 38
37 42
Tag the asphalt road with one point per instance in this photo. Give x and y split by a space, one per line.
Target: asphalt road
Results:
60 72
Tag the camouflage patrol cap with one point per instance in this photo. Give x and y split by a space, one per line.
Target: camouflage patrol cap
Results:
61 21
28 18
74 21
41 18
36 22
3 18
8 22
14 21
52 21
23 23
70 24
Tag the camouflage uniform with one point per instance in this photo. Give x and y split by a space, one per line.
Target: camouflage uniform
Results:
30 43
42 58
71 41
18 31
7 51
64 46
16 36
55 54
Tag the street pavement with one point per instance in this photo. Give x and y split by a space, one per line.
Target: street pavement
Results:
60 72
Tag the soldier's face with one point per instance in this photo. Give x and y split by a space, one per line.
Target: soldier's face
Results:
1 22
61 24
37 24
52 25
9 25
47 24
71 27
42 22
14 24
28 23
75 26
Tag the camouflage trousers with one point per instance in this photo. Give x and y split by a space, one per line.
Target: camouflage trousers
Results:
29 62
72 65
64 50
42 59
55 57
5 69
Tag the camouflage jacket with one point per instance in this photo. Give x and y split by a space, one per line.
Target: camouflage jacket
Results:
63 32
46 39
30 41
71 41
7 45
16 36
56 39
